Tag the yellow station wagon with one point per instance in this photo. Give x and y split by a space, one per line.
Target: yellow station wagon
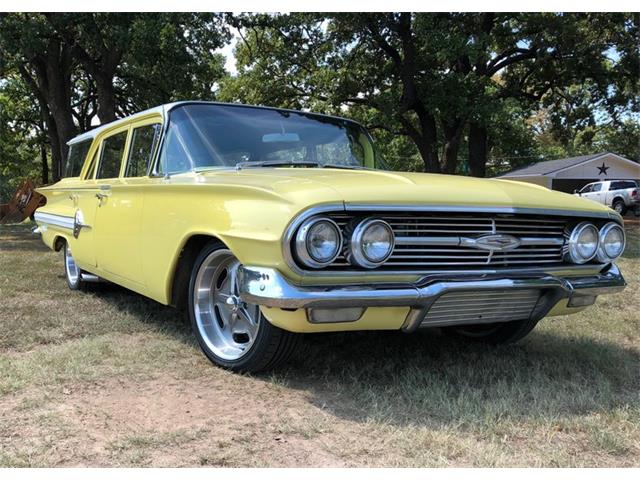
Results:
266 223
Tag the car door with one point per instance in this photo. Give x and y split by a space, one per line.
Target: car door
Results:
127 154
84 202
597 193
586 190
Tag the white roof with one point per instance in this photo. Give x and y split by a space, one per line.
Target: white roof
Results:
91 134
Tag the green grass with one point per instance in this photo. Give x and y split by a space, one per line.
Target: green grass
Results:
109 378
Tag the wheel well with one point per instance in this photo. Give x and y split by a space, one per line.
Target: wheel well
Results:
617 199
184 265
58 243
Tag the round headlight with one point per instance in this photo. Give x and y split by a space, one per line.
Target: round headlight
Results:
371 243
612 242
318 242
583 243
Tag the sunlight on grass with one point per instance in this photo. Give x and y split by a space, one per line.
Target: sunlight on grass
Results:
565 396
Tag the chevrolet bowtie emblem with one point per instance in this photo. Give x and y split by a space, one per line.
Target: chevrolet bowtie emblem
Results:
494 243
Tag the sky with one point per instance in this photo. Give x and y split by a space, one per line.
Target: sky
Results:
227 51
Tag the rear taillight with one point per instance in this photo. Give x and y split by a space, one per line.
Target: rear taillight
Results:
634 193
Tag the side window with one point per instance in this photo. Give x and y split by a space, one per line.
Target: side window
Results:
75 159
587 189
143 145
111 157
597 187
622 185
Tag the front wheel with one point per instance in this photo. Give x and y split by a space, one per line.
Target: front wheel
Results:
232 333
494 333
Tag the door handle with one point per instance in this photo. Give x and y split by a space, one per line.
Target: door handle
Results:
105 191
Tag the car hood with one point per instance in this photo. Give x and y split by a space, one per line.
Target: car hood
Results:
309 186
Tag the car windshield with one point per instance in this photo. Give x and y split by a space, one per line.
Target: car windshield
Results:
203 136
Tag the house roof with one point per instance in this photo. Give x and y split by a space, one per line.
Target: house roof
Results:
551 166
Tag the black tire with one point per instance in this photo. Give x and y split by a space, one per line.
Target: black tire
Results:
72 273
494 333
619 207
271 347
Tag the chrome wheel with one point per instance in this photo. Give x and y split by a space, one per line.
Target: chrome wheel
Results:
227 325
71 269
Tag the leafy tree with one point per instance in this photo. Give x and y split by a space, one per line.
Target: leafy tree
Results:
439 79
20 137
30 47
128 56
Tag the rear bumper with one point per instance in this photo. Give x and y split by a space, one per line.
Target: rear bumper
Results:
268 288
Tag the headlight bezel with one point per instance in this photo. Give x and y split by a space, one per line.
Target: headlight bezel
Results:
572 243
601 254
356 254
302 237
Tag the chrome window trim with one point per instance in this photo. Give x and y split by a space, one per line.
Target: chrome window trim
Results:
61 221
344 207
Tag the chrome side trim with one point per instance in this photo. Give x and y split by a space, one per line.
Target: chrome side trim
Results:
61 221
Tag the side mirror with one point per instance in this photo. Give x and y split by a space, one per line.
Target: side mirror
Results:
576 191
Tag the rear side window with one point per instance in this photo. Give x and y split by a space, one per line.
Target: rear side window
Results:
75 159
622 185
111 157
143 146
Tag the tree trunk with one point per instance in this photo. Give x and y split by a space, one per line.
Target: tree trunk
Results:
45 165
477 149
452 136
56 151
429 155
106 98
426 141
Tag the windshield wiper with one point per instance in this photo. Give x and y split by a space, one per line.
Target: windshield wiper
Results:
344 167
275 163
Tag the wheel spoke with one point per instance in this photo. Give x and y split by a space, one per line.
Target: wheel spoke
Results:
226 324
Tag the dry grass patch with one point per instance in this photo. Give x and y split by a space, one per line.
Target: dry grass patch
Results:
109 378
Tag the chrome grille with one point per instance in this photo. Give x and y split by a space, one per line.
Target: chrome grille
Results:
431 241
490 306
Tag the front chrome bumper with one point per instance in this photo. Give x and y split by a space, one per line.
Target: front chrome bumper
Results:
268 287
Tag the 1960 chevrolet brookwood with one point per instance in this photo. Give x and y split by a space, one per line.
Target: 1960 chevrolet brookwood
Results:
266 223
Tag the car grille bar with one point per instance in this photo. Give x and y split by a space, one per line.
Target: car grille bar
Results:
432 241
491 306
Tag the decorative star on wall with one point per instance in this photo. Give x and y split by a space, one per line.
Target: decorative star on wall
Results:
603 169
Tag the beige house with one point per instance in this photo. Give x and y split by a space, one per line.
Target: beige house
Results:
569 174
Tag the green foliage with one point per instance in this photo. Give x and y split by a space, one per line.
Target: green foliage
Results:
19 140
426 77
444 92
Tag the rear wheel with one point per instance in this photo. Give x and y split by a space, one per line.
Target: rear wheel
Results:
72 272
620 207
494 333
232 333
